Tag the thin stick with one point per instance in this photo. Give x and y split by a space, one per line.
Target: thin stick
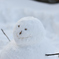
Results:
5 34
51 54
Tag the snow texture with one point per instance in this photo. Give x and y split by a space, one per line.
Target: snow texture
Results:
12 50
13 10
30 43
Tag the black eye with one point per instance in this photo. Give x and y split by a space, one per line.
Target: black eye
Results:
25 28
18 25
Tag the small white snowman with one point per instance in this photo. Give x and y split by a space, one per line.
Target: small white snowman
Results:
29 41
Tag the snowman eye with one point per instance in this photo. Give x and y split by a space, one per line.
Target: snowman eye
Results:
18 25
25 28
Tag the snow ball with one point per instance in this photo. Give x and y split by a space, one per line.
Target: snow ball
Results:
28 30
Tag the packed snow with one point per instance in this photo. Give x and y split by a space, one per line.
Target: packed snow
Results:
30 41
11 11
28 30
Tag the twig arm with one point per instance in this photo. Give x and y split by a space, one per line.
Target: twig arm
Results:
5 34
51 54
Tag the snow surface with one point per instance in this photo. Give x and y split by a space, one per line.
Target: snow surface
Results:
11 11
12 50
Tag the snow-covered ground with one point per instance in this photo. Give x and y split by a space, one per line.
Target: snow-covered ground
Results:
12 10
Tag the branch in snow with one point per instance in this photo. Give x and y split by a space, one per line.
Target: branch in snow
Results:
5 34
51 54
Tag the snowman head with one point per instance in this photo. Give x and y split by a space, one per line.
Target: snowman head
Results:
28 31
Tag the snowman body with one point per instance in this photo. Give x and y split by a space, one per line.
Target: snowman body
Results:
13 51
29 41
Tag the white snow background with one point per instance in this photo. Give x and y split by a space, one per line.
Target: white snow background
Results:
12 10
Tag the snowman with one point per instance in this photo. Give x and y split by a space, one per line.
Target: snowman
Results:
29 42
